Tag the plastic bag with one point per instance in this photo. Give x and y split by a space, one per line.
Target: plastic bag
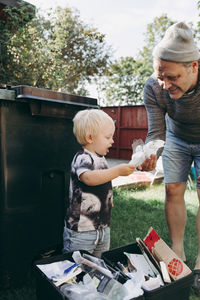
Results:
142 151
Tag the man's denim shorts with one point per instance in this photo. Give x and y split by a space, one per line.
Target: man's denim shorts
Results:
178 156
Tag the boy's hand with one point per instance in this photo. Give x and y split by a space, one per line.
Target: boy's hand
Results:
149 164
125 169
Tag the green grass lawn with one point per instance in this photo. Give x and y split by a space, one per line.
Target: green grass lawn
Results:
133 213
137 210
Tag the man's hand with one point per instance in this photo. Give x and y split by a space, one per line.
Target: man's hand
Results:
149 164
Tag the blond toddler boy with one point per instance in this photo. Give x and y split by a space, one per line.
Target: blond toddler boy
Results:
87 221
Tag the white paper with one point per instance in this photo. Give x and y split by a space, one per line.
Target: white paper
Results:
143 151
140 263
55 269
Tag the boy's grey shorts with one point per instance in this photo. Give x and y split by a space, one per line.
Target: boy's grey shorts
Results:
95 242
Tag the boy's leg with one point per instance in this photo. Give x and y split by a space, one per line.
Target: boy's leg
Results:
103 243
75 241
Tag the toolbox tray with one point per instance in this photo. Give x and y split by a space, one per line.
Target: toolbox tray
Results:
176 290
46 289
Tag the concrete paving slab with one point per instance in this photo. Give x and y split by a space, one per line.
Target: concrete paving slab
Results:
136 179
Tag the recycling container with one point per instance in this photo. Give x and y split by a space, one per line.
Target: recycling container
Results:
176 290
36 148
46 289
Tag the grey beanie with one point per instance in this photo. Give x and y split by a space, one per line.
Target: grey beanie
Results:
177 45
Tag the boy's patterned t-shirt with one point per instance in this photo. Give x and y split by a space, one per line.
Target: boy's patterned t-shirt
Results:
89 206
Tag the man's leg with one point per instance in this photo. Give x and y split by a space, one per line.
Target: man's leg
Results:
176 215
197 265
196 283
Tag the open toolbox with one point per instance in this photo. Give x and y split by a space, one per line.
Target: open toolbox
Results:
45 287
176 290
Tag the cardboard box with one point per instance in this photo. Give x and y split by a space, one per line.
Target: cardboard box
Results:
162 252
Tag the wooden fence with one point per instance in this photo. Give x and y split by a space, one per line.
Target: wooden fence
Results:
131 123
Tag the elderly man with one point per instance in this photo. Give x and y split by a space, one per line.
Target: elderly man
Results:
172 101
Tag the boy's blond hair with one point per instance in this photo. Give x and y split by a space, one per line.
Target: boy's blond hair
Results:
89 122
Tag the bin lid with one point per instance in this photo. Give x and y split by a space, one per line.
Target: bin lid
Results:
29 92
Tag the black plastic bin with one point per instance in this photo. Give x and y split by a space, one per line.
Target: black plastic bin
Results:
177 290
45 289
37 146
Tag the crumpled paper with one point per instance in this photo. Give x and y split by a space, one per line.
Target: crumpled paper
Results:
143 151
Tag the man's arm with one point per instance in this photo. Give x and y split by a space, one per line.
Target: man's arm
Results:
155 110
156 119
